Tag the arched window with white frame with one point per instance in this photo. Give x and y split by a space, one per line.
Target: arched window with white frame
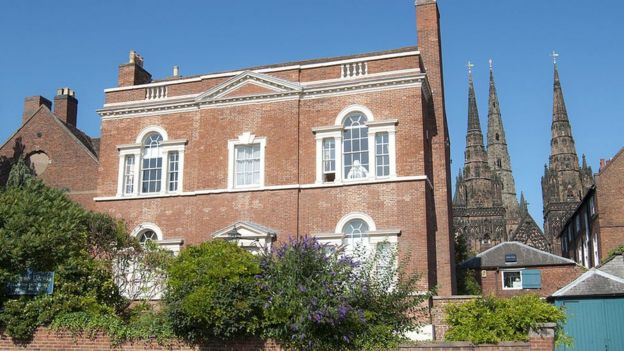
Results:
153 165
357 148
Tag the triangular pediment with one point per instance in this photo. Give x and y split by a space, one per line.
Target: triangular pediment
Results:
244 230
250 84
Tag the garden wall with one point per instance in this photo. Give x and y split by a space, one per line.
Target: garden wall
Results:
46 340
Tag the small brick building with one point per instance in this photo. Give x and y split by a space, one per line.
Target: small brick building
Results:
597 226
513 268
60 154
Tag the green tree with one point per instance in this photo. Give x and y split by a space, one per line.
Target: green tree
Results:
20 172
212 292
43 230
467 283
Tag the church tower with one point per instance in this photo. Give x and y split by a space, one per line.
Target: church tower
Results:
564 183
478 211
498 157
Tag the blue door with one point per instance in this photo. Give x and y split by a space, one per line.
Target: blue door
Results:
594 324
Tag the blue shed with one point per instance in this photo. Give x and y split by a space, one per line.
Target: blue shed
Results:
594 304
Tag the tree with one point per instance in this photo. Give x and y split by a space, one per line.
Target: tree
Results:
212 292
43 230
322 301
19 173
467 283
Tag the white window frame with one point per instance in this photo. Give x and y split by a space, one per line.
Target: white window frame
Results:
245 139
336 132
136 150
519 271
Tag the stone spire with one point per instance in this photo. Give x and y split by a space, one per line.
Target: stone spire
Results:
563 158
475 156
498 155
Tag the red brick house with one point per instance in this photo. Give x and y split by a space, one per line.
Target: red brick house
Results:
597 226
352 150
60 154
513 268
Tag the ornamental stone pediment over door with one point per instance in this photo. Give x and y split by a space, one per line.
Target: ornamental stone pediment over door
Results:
248 235
250 85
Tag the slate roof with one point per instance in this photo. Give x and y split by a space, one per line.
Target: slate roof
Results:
526 256
606 280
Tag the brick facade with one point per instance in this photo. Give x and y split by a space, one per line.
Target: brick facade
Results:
553 278
288 106
63 156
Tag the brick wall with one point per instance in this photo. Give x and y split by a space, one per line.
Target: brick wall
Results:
45 339
70 167
438 312
610 205
553 279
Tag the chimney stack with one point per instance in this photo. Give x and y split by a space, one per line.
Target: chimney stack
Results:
32 103
66 106
133 73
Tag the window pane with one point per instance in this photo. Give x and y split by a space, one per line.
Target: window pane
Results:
382 158
356 234
355 147
173 171
247 165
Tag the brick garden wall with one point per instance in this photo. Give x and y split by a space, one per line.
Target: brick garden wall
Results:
47 340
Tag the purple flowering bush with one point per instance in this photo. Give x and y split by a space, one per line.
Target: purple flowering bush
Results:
319 300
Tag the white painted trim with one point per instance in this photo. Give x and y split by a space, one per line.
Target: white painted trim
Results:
503 271
149 129
247 138
355 215
147 226
268 188
267 70
278 85
353 108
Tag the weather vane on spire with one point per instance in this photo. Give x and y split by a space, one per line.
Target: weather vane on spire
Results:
490 62
554 56
469 65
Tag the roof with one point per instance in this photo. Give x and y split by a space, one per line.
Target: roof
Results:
304 62
77 134
603 169
606 280
526 256
615 266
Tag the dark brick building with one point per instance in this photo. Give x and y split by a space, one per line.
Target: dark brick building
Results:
60 154
596 226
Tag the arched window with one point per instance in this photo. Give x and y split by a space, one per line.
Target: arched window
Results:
151 163
147 235
355 146
356 235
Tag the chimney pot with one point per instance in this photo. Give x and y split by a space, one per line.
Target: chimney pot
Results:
176 71
133 73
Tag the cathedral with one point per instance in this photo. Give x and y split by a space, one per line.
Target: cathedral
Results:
564 183
486 210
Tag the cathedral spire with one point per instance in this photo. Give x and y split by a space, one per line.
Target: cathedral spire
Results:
498 155
563 155
475 162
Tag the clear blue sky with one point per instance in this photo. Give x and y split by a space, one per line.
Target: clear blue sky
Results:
50 44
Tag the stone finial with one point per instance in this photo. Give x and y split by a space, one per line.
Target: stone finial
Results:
135 58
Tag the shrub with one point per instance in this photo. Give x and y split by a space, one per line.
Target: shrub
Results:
492 319
212 292
43 230
320 301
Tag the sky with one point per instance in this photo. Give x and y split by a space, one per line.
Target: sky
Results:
79 44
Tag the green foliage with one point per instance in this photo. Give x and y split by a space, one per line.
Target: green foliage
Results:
492 320
141 324
319 301
467 283
614 252
19 174
41 229
212 292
